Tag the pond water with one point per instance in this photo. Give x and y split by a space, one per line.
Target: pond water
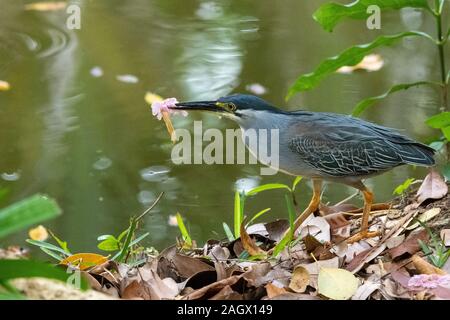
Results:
75 125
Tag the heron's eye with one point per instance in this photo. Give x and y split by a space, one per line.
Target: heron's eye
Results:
231 106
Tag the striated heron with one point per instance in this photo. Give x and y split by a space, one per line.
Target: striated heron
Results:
323 146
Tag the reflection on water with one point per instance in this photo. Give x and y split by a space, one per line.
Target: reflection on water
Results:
75 124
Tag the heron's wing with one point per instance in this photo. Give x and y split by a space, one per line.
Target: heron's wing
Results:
340 154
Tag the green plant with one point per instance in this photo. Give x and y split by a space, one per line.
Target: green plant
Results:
403 187
330 14
16 217
436 250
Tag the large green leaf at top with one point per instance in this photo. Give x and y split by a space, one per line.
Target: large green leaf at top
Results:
364 104
329 14
26 213
348 57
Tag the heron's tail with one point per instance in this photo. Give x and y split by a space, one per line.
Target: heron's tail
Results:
417 154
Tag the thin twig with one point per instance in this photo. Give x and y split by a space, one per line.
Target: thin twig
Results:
151 207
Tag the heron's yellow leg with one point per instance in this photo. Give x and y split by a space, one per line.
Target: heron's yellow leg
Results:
312 206
364 232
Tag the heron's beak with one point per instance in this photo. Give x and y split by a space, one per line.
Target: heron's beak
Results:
198 105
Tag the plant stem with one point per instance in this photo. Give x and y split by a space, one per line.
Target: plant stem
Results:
440 45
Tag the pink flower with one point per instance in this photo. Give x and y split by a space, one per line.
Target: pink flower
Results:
158 107
429 281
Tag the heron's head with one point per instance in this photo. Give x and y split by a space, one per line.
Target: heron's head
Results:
235 107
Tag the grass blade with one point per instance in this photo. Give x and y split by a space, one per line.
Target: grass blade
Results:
237 214
49 246
256 216
228 232
269 186
184 233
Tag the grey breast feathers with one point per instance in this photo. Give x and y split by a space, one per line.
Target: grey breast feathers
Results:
337 145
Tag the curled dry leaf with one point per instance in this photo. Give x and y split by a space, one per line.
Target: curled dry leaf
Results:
300 279
46 6
339 225
432 187
424 217
249 244
4 86
365 291
273 290
316 226
371 62
425 267
337 284
39 233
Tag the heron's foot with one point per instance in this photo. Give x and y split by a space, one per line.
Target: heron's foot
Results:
362 235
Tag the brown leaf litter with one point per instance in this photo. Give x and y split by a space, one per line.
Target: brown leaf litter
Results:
319 264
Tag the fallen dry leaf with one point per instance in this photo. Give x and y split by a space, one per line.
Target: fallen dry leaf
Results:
39 233
424 217
395 241
175 265
425 267
410 245
371 62
432 187
337 284
249 244
300 279
4 86
339 226
445 236
273 291
46 6
84 260
317 227
212 289
365 291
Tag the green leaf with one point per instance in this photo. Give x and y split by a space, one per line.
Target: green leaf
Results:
26 213
183 230
291 213
228 232
439 121
296 182
122 254
106 236
329 14
256 216
281 245
52 254
11 296
446 132
237 214
139 239
400 189
269 186
49 246
348 57
110 244
364 104
62 244
12 269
